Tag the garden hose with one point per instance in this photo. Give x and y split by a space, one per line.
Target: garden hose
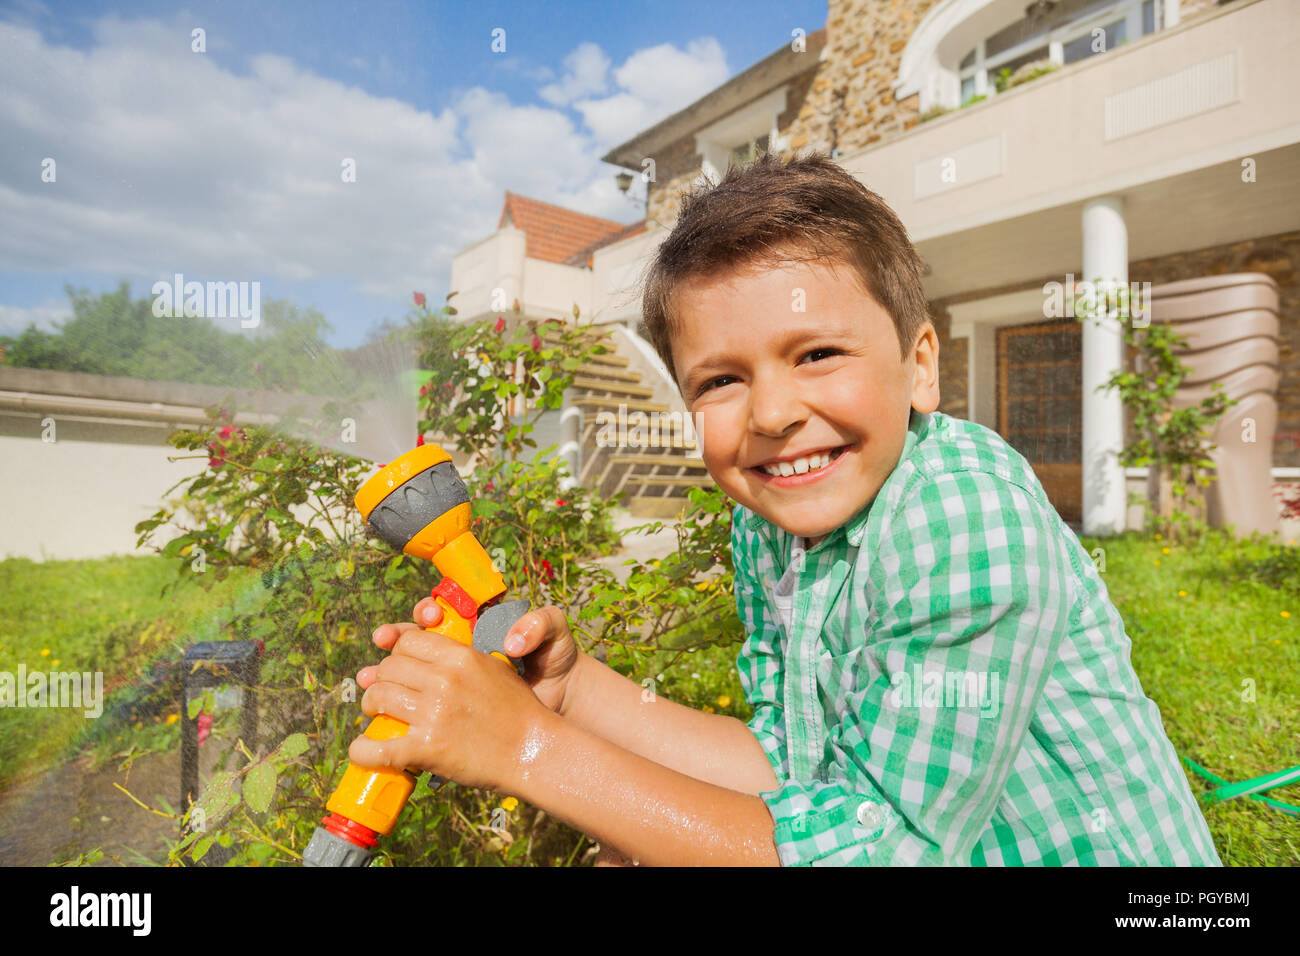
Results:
1254 787
419 505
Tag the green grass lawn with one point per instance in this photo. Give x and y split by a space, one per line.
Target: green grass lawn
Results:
1199 654
104 615
1212 626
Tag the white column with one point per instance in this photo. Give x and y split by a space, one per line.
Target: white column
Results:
1105 257
1169 13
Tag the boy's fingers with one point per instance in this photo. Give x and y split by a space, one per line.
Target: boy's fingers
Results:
386 635
367 752
393 699
427 613
531 630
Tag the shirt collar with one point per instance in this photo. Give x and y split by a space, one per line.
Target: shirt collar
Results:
856 526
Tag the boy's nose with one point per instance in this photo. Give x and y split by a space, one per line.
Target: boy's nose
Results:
775 409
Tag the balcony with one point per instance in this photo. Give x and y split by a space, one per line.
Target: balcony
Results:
992 194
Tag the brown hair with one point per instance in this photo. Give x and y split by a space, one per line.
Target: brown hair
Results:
784 210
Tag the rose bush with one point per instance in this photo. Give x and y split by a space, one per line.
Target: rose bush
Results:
284 506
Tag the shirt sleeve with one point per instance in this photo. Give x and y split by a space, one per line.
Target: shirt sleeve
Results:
970 586
760 660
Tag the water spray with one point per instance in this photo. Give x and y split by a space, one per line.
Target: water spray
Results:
419 505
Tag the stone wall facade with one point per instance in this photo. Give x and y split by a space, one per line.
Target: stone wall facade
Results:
846 102
954 399
851 103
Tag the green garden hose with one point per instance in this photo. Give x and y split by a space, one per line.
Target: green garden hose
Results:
1254 787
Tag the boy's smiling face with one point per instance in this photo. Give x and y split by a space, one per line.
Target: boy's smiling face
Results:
770 384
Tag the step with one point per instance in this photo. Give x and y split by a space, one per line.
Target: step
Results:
631 404
664 461
673 441
607 372
676 481
609 359
550 339
619 388
647 507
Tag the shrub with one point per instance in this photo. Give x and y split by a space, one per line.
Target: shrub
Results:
285 506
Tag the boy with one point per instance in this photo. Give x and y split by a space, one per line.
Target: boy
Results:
936 672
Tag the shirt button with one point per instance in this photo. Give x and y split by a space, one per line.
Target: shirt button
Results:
870 815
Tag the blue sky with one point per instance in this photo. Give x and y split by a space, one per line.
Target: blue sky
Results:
225 165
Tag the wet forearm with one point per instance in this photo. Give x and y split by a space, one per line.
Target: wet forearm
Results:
652 813
711 747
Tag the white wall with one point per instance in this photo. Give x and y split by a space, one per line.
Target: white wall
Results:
77 498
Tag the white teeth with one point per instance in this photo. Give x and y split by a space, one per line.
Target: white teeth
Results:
799 466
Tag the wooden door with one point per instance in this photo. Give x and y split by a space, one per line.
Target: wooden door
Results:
1040 406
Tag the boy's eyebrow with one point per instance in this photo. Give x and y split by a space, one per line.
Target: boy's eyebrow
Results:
790 340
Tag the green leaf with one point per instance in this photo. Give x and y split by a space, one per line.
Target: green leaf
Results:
311 616
292 746
259 786
202 846
175 545
219 797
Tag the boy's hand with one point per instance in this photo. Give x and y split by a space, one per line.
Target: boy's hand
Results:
469 714
551 654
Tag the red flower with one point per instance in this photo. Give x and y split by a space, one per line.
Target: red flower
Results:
560 502
501 324
546 570
218 448
424 389
537 343
205 727
489 486
419 299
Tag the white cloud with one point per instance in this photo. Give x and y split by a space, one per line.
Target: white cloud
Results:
15 319
585 74
168 162
653 84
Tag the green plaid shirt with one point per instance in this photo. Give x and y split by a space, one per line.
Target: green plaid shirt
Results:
956 686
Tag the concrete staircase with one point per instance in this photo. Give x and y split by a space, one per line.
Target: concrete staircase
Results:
636 435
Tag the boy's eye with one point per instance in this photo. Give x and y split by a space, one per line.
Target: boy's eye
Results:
711 383
822 352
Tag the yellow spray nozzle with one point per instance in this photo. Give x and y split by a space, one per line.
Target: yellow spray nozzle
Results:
419 505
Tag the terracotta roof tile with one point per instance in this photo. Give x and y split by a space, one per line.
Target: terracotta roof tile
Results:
585 257
553 233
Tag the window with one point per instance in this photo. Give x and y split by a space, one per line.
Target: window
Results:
1058 34
742 136
967 89
746 153
1093 42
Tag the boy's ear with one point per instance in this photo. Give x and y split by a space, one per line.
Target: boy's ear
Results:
925 388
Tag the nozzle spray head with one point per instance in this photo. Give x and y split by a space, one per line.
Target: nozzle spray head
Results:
418 504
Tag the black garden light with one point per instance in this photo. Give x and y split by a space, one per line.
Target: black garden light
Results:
230 669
